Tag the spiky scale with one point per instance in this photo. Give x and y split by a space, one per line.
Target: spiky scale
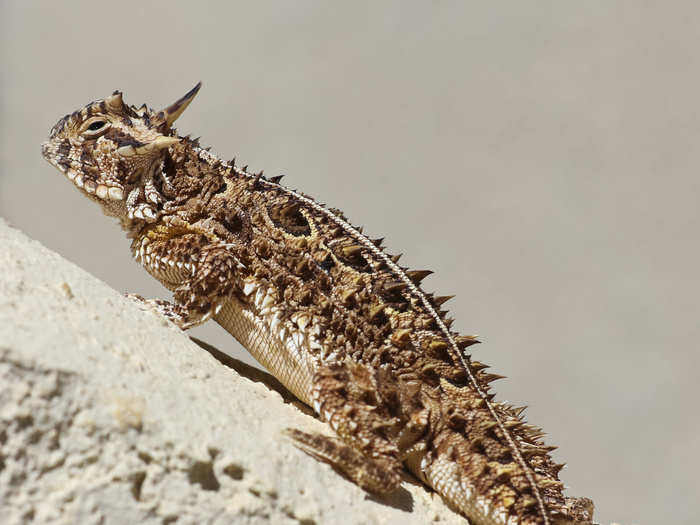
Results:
519 410
550 484
489 378
375 310
440 300
418 275
437 345
352 251
464 341
478 365
348 295
395 286
401 336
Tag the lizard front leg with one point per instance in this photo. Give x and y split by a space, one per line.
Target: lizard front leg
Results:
201 273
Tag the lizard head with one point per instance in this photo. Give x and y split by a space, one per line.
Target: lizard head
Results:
114 153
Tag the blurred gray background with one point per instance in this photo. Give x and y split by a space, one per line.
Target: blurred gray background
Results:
541 157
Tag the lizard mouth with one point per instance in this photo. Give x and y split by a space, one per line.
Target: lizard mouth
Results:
64 165
46 152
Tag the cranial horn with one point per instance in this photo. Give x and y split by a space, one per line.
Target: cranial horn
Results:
173 111
158 144
114 101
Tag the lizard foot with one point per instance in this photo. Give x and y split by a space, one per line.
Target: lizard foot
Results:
181 316
376 475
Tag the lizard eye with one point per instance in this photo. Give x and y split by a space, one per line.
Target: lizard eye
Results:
95 128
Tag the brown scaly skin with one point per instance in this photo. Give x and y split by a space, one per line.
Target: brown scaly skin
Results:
323 307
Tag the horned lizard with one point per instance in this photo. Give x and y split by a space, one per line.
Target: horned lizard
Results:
324 308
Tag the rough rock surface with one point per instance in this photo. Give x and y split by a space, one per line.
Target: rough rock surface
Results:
110 415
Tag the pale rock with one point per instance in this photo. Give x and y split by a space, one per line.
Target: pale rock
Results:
111 415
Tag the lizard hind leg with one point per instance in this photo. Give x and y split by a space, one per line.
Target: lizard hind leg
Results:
376 475
347 397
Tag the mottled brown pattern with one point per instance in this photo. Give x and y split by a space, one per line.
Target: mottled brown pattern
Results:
332 315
